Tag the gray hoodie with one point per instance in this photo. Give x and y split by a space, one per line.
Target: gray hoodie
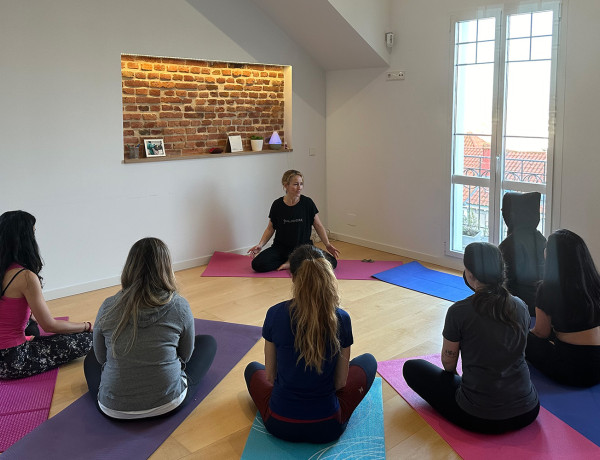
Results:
149 375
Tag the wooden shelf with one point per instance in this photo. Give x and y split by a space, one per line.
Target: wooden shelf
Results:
203 156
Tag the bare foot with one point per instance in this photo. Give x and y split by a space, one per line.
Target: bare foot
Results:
285 266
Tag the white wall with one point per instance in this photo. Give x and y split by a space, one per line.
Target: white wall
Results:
388 142
62 138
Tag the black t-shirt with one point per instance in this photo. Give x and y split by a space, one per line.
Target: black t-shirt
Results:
292 224
495 380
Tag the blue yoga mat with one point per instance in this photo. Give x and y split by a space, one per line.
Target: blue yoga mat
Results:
81 432
577 407
363 438
422 279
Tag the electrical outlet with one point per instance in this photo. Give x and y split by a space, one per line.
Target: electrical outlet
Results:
395 75
312 151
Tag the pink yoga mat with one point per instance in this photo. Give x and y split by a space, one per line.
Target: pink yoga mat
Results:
25 403
238 265
546 438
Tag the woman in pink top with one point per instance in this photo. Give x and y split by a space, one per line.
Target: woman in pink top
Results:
21 297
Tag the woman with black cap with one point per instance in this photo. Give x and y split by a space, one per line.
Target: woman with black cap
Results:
489 329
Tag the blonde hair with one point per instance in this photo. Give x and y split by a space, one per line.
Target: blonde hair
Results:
147 281
289 175
313 308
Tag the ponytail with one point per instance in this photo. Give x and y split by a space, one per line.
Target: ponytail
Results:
313 308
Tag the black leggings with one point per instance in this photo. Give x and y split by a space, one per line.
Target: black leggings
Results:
205 348
576 365
272 258
438 388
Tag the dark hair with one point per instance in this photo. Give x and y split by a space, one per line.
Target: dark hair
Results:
570 288
484 261
17 242
313 309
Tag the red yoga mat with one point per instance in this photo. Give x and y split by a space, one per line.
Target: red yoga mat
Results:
546 438
238 265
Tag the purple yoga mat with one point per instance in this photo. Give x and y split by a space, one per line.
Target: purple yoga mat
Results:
546 438
81 432
238 265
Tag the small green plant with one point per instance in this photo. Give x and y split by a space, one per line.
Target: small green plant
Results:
256 138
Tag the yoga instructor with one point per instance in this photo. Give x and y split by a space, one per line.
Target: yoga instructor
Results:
290 219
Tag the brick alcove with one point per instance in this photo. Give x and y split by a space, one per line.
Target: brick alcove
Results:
194 104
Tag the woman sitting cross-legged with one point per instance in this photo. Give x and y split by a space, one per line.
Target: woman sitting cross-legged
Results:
20 297
146 359
489 329
308 388
565 341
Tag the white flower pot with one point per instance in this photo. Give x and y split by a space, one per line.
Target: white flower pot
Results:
257 144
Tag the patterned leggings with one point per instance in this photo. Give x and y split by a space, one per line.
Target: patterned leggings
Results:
42 354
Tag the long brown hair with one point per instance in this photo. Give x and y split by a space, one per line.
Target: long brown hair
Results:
313 308
147 281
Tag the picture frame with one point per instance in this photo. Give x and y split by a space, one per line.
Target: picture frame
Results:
235 143
154 148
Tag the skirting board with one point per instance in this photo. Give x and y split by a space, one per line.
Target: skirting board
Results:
116 280
447 262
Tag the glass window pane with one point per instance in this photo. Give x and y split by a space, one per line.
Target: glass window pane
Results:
526 160
467 31
474 93
472 155
519 25
486 29
466 53
485 52
541 48
542 23
471 207
527 98
518 49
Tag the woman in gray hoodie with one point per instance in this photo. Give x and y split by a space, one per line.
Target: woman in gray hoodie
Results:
146 360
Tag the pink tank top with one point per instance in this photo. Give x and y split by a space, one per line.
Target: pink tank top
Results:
14 314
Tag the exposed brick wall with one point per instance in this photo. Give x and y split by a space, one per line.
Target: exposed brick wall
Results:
194 105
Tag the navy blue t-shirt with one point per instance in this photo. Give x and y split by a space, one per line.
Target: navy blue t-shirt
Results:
301 393
292 224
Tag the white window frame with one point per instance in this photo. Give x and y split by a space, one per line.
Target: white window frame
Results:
554 159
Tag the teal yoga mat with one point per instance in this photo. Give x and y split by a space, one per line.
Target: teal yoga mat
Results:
363 438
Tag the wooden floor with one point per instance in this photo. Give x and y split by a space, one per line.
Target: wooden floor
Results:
388 321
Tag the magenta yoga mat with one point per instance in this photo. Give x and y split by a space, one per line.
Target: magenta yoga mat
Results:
546 438
81 432
238 265
25 403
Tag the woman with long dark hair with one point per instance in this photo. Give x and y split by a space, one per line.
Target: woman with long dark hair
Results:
147 360
565 342
489 331
20 297
308 387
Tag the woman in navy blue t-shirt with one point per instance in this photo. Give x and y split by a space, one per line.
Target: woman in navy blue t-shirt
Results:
308 387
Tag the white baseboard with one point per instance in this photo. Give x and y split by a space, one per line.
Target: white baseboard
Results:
116 280
448 262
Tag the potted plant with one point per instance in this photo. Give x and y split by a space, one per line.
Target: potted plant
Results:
257 143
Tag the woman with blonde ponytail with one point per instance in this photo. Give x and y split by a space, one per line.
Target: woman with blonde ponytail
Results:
146 360
308 387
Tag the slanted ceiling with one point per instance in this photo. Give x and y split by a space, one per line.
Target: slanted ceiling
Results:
324 33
